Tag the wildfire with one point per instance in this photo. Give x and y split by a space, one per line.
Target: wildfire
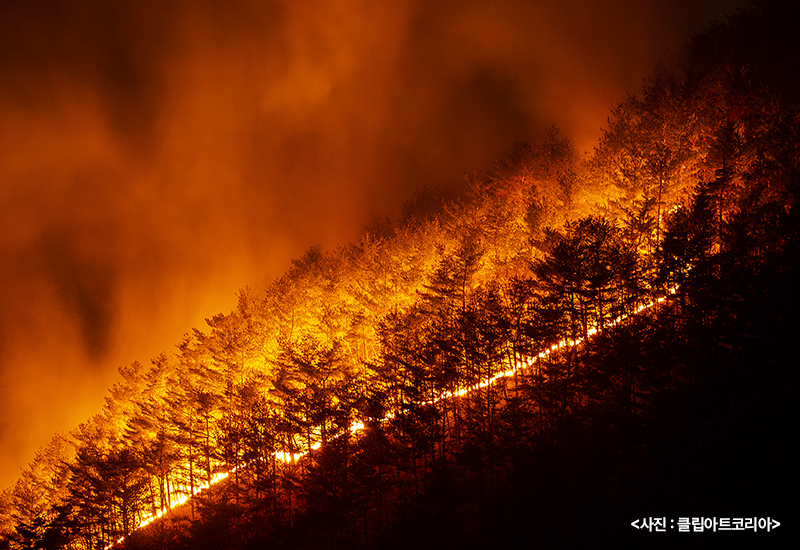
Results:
180 498
528 362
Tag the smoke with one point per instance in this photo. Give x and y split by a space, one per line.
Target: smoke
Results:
156 158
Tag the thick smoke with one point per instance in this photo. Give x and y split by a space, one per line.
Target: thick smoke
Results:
155 158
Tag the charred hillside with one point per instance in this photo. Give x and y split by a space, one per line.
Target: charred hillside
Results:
679 410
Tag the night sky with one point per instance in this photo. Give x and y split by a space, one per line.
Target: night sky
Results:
155 159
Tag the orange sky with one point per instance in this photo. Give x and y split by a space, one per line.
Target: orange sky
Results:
153 160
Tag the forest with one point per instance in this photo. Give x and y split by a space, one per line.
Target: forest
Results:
654 281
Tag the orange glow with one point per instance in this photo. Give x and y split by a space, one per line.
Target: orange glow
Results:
150 172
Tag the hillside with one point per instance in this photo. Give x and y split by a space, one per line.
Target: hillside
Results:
680 411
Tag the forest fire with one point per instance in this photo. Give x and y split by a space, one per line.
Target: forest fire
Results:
180 497
566 341
156 158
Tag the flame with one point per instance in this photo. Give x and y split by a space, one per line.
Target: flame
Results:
180 498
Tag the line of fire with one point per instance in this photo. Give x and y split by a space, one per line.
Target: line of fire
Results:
181 490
